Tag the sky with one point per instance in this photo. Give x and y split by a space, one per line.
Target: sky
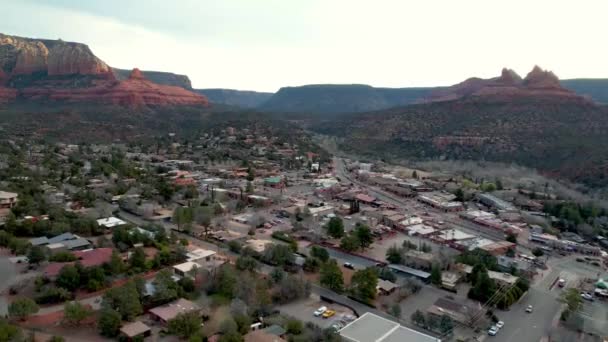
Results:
267 44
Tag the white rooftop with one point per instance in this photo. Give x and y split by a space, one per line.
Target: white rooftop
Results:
110 222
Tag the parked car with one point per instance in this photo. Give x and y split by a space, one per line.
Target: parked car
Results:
587 296
500 324
529 309
493 331
320 311
561 283
328 313
349 265
347 217
337 326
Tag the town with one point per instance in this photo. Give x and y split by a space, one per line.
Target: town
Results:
246 234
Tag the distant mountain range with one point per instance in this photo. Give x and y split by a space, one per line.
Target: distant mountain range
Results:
237 98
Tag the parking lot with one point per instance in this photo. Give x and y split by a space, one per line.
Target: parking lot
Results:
304 311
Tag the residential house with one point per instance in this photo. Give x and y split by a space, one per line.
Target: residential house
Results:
135 331
167 312
8 200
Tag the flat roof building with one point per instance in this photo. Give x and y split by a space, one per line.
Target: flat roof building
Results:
373 328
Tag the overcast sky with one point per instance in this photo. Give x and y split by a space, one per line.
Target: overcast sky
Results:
266 44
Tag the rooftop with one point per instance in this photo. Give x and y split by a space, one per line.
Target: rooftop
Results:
168 311
134 329
7 195
110 222
373 328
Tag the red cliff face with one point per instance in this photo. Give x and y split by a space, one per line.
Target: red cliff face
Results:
134 92
538 85
54 70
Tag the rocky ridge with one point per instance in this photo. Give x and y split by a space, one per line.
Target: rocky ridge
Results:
54 70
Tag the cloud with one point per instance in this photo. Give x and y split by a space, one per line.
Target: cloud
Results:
264 45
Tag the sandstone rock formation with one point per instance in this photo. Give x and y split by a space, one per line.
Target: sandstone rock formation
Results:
538 85
54 70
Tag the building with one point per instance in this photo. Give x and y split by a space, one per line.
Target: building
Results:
502 279
135 331
410 272
441 201
8 200
499 247
88 258
456 311
495 202
167 312
186 269
449 280
418 259
373 328
386 287
275 182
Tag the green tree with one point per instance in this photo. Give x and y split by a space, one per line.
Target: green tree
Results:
425 248
395 310
36 255
436 274
278 255
335 227
185 324
446 324
311 264
331 276
511 238
246 263
459 193
294 327
393 255
75 312
419 319
9 332
125 300
22 307
364 235
116 265
319 253
166 289
537 252
109 322
483 287
68 278
350 243
249 188
138 260
572 299
363 284
232 336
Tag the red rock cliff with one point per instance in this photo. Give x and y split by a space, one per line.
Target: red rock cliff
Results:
55 70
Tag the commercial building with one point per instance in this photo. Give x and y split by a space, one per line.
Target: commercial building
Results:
373 328
495 202
410 272
441 201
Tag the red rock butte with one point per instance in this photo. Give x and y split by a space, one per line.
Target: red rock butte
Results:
72 73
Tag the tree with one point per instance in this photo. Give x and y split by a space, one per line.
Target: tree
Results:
459 193
232 336
185 324
350 243
294 327
276 275
446 324
425 248
203 216
75 312
414 174
249 188
319 253
116 265
166 289
393 255
291 288
335 227
436 274
138 260
331 276
311 264
22 307
537 252
68 278
483 287
511 238
278 255
363 284
36 255
246 263
109 322
9 332
395 310
125 300
419 319
364 235
572 299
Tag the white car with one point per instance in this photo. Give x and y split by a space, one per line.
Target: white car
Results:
320 311
493 331
529 309
500 324
347 217
587 296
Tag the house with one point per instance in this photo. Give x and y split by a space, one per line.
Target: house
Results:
8 200
167 312
110 222
456 311
410 272
449 280
200 255
506 264
185 269
499 247
441 201
275 182
418 259
135 331
502 279
495 202
386 287
88 258
373 328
